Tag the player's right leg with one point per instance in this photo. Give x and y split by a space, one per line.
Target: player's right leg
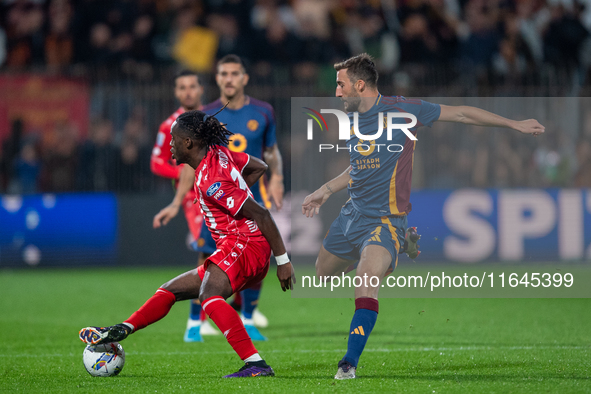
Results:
183 287
224 276
374 262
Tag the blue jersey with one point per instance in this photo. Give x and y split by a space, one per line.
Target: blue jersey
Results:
253 126
382 169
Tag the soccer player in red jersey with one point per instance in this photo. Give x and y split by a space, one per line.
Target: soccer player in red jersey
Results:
244 231
188 92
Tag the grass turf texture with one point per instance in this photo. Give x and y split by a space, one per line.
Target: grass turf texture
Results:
418 345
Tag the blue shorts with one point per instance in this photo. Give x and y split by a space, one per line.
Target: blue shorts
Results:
205 242
351 232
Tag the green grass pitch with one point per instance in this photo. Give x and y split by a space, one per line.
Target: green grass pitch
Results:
418 345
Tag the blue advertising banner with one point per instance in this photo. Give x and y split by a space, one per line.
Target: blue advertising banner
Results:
530 225
58 230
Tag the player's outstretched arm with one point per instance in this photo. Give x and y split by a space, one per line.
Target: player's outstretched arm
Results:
276 189
314 201
255 169
479 117
187 178
264 220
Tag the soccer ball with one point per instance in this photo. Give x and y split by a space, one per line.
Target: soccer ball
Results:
104 360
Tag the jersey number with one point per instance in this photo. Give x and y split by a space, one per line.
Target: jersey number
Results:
237 176
241 183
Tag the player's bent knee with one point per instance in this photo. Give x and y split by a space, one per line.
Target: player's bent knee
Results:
185 286
215 283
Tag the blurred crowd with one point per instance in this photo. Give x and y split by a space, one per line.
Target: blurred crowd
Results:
416 43
59 162
508 39
448 158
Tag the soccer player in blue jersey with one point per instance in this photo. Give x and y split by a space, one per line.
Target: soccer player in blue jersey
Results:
372 225
253 123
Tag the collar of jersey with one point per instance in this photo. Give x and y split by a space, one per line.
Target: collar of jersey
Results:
375 104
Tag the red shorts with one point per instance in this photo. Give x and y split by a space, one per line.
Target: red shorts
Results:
193 215
245 261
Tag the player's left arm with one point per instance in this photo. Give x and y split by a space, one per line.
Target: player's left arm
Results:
273 158
254 169
261 215
479 117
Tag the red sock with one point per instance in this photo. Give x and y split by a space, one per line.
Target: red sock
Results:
153 310
227 320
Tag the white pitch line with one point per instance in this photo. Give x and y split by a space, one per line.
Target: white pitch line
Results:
379 350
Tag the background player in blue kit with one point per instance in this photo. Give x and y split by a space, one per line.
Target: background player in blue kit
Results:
253 124
372 224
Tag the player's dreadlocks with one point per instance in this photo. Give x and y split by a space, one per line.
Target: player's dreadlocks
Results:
205 128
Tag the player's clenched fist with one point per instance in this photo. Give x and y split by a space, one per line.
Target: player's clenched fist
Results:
530 126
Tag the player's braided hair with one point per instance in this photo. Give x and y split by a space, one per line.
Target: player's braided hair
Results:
205 128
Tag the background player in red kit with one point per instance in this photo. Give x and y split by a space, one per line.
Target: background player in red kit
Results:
188 92
244 231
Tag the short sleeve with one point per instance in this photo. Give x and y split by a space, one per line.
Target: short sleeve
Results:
241 159
428 113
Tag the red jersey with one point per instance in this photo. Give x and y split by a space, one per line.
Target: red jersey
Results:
161 162
222 192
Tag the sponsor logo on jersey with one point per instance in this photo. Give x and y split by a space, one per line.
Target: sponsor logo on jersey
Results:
219 194
223 160
213 188
252 125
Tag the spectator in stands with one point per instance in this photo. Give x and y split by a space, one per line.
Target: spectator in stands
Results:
59 43
60 160
131 173
98 155
483 40
25 36
564 37
26 169
10 151
101 52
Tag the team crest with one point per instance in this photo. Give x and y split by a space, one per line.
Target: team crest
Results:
252 125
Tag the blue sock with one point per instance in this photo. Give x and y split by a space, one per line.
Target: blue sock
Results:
366 314
195 309
250 300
